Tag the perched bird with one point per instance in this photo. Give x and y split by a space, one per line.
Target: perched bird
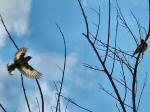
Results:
21 63
141 48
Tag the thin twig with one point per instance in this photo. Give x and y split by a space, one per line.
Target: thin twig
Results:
10 37
24 91
124 80
138 24
100 60
57 91
91 67
118 108
97 69
64 68
106 91
3 108
116 34
125 23
66 107
76 104
110 94
98 25
147 36
22 82
108 35
41 94
127 63
118 58
105 45
122 84
38 103
138 105
21 74
134 83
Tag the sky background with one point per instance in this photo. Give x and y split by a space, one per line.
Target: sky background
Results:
32 25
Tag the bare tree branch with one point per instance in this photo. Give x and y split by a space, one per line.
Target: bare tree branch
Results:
97 69
108 35
10 37
76 104
118 108
24 91
91 67
41 94
98 25
125 24
116 33
2 108
38 103
110 94
147 36
66 107
22 82
124 80
144 85
105 45
99 58
138 24
134 83
64 68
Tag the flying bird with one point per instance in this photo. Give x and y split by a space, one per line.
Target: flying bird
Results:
141 48
21 63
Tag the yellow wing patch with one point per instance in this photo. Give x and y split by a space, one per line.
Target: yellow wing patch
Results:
20 53
30 72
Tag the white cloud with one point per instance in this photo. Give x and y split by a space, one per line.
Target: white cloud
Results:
2 35
16 15
45 63
49 99
48 63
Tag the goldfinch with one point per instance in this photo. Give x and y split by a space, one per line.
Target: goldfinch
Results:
141 48
21 63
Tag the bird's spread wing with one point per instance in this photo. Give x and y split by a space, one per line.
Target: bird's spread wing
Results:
29 71
21 53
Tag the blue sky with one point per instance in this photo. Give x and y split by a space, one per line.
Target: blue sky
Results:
32 25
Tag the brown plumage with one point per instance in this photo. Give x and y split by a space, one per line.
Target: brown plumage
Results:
141 48
21 63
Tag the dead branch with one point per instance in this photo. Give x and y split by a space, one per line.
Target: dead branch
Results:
100 60
108 35
10 37
64 68
2 107
38 103
22 82
144 85
76 104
